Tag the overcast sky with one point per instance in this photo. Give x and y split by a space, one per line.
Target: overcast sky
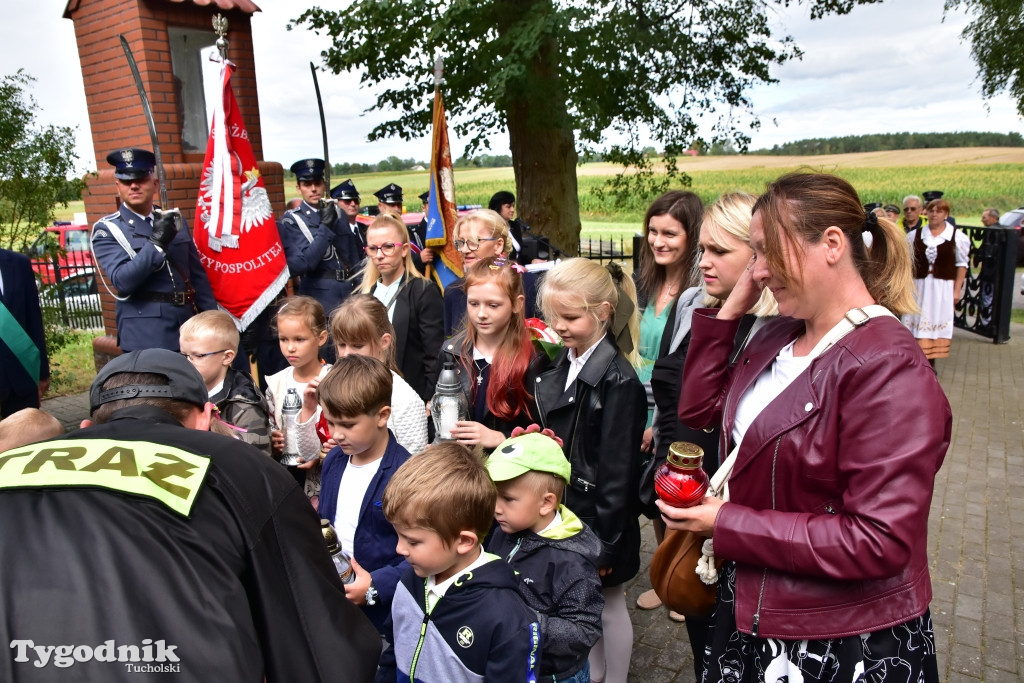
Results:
884 68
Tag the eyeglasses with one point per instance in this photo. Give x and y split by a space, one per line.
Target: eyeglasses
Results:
388 248
349 201
908 209
193 357
473 244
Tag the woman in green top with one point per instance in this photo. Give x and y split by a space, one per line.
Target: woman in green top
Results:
668 266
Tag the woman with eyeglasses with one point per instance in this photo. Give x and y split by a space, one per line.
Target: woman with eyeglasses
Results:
478 236
413 302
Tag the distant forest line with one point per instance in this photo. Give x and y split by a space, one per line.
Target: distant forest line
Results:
887 142
849 144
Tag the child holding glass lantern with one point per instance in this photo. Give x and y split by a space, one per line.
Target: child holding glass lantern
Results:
492 357
301 330
355 397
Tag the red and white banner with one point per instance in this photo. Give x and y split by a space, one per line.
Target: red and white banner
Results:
235 231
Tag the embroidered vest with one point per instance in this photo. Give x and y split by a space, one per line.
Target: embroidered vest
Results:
945 261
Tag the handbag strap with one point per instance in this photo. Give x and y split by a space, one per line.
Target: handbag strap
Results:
852 319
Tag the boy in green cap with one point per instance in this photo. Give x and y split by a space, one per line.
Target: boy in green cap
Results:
552 551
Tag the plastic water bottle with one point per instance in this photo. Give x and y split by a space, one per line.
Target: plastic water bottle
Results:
341 561
289 416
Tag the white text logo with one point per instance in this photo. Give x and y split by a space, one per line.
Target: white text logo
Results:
63 656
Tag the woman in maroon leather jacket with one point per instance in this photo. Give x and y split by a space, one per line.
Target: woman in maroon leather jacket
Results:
825 534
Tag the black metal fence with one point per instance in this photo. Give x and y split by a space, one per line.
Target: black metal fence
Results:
68 292
611 249
987 301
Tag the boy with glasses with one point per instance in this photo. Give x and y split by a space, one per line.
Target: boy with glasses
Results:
209 341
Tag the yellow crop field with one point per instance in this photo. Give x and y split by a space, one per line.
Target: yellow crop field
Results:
972 178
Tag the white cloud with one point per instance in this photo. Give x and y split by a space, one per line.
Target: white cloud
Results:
884 68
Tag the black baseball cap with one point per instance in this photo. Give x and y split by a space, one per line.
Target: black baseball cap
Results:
184 383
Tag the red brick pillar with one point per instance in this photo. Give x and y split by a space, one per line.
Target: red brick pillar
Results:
115 111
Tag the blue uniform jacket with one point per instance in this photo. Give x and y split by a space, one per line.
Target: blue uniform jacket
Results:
375 538
317 263
145 324
481 630
22 299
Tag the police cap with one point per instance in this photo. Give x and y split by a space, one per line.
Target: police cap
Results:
131 163
425 196
308 169
932 194
184 383
345 190
392 194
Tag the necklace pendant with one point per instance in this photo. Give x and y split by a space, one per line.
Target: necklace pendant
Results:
480 379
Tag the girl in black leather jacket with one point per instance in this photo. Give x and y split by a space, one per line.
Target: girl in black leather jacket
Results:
592 399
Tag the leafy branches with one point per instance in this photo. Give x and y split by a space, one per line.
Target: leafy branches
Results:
35 163
996 35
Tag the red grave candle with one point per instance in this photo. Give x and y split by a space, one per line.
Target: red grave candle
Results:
681 481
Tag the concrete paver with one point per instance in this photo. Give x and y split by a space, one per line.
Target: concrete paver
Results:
976 527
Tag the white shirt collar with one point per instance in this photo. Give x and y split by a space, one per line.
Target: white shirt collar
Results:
555 521
436 591
141 217
576 363
216 389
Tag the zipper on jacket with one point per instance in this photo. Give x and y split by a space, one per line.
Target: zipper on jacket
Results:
541 413
764 574
514 550
423 632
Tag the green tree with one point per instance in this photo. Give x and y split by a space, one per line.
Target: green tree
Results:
566 77
996 35
35 164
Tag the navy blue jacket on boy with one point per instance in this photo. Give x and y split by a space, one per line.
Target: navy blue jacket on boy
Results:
481 630
375 538
558 578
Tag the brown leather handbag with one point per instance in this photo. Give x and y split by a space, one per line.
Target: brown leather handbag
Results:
674 578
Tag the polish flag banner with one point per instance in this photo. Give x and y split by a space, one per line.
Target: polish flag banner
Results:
235 231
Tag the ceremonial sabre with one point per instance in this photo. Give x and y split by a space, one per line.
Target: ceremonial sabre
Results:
323 131
161 176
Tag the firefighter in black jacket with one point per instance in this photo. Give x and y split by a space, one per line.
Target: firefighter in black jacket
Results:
140 546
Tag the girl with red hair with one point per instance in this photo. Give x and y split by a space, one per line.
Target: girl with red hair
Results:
493 354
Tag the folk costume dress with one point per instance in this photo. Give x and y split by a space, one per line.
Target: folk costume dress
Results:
936 259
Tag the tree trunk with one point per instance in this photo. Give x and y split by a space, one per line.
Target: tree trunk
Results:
544 159
544 151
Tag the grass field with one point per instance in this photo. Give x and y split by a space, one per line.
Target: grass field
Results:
973 178
73 368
